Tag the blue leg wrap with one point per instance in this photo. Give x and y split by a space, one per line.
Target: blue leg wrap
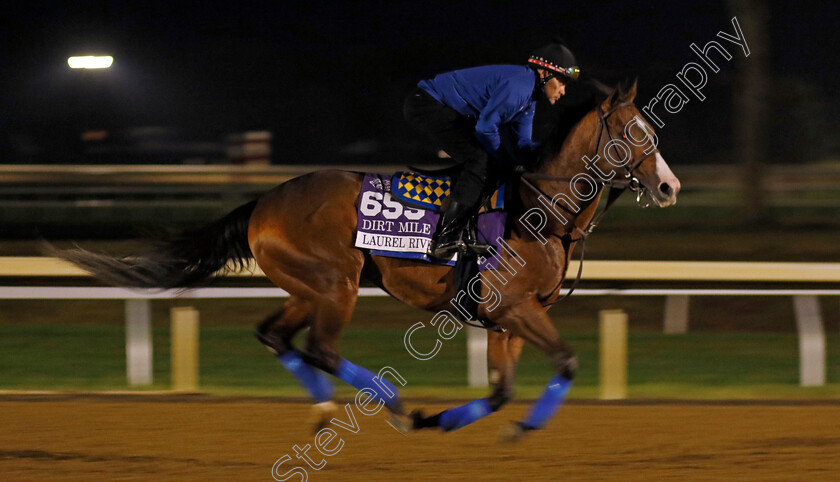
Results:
458 417
546 406
312 379
360 377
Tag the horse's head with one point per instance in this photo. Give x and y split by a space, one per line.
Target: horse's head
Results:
628 144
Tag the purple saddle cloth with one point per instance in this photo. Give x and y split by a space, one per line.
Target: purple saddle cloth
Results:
389 228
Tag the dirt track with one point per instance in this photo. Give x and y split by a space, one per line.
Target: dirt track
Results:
113 439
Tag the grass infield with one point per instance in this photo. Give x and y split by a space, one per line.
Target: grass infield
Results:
91 357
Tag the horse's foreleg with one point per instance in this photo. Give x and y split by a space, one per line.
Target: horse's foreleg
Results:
503 365
535 327
503 352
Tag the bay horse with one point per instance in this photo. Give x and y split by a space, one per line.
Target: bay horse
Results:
301 234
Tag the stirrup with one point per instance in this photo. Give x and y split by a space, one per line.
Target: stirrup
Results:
446 250
471 242
479 249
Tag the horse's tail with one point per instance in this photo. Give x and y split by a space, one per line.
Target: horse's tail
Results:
179 262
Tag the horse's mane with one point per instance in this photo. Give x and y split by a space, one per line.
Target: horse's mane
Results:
590 93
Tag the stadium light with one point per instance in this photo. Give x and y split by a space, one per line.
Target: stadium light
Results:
90 62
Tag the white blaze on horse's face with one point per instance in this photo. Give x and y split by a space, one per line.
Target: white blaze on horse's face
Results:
661 183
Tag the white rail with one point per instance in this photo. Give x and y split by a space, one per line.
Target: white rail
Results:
595 270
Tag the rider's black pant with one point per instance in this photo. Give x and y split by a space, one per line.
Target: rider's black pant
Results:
455 134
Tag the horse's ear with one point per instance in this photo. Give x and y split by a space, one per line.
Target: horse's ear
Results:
630 95
600 88
613 99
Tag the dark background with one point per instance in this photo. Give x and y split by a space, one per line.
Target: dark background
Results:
328 78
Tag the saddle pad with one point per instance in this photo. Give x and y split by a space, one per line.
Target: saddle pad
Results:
388 228
420 190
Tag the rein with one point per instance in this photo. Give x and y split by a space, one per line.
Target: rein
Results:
617 188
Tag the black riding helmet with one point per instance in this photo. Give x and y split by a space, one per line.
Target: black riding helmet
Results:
556 59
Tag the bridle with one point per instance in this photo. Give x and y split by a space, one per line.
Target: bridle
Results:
630 178
629 182
617 187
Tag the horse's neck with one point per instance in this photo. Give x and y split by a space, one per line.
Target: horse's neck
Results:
569 162
579 142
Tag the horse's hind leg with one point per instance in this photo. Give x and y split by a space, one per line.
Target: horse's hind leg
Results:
276 332
322 351
301 236
503 351
277 329
327 302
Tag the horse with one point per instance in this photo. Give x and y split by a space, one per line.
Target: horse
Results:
301 234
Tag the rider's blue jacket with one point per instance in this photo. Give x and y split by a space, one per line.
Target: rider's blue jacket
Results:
494 95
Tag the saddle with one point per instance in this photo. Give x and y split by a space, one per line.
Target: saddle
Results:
429 189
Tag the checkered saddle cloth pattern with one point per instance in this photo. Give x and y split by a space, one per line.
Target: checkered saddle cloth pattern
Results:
420 190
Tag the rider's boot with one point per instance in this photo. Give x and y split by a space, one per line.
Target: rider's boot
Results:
455 234
463 201
448 240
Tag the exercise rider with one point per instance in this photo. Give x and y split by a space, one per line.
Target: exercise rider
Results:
464 113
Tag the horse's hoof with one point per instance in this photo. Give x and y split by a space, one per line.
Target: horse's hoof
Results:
512 433
417 419
401 423
420 421
321 415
